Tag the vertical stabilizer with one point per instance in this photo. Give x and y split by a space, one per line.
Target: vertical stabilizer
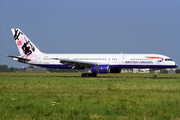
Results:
25 46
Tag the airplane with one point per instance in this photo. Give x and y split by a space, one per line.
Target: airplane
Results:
92 64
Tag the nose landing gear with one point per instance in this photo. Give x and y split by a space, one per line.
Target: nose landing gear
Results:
155 72
155 75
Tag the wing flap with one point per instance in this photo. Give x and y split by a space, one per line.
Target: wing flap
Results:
76 63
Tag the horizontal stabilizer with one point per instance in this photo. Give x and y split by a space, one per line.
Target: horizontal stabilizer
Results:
18 58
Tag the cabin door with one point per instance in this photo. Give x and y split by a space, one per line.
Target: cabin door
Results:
123 59
39 59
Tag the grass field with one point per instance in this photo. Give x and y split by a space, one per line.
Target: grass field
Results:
129 75
88 98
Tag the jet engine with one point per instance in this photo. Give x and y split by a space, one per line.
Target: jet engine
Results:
100 69
104 69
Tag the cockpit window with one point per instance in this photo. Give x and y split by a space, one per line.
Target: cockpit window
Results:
168 59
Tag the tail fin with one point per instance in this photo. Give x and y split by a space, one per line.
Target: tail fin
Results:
25 46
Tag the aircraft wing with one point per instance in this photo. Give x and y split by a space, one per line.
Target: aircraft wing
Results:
76 63
18 58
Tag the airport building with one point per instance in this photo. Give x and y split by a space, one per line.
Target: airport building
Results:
134 70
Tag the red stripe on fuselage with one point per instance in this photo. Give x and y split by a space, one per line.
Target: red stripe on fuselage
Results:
155 57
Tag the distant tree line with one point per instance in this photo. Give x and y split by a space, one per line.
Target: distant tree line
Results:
59 70
177 71
5 68
164 71
63 70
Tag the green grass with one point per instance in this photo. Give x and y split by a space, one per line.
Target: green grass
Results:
131 75
88 98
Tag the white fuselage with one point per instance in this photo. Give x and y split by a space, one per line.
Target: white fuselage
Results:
114 60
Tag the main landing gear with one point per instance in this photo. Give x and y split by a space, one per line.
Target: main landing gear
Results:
88 75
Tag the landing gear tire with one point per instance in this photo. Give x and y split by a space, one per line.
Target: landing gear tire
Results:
94 75
82 75
88 75
154 76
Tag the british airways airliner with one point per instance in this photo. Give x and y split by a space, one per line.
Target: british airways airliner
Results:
91 63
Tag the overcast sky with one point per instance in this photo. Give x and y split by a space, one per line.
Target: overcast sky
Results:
92 26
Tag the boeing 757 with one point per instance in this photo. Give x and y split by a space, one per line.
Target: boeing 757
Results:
91 63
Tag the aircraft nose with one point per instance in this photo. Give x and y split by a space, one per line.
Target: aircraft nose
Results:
176 64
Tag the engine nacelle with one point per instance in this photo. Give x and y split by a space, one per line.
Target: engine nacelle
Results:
100 69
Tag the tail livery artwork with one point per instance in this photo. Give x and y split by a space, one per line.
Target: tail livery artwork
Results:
93 63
